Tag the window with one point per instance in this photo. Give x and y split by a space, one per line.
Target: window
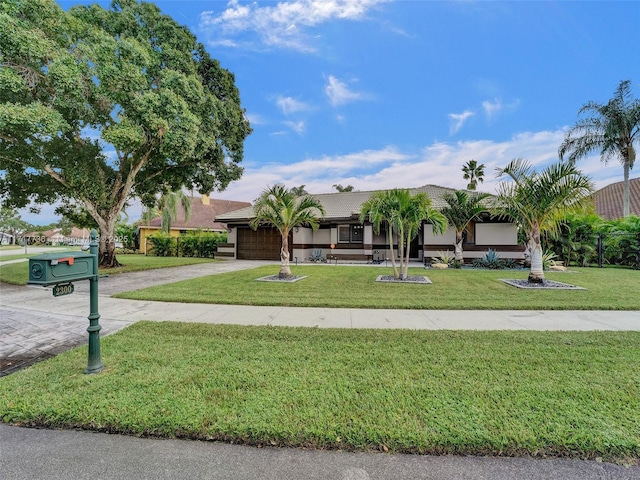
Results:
350 233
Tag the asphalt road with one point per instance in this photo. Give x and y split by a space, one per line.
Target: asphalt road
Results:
32 454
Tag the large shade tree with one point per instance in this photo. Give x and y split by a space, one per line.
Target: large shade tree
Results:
539 201
611 128
100 106
403 214
462 209
283 209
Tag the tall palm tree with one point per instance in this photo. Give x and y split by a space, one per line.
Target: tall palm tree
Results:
285 210
405 214
474 173
463 208
168 206
613 129
538 202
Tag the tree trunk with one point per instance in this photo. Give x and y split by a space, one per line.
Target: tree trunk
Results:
285 271
458 248
107 249
401 252
625 189
536 274
396 275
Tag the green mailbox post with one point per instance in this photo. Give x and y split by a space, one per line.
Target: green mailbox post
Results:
60 269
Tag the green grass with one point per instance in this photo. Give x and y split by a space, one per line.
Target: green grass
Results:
573 394
355 287
6 258
18 273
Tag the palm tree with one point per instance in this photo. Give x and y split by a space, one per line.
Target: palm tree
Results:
613 129
168 206
463 208
285 210
538 202
474 173
404 214
380 208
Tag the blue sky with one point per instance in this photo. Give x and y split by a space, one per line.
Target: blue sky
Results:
381 94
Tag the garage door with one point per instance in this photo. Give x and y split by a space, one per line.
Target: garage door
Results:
261 244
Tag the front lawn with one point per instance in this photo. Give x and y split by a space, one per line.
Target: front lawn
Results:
355 287
18 273
573 394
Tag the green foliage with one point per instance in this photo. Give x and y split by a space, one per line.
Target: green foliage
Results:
403 214
621 241
538 202
163 245
613 129
473 172
490 260
127 235
144 85
284 210
317 256
444 257
200 244
576 239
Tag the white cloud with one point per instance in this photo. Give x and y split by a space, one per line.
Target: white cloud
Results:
297 127
339 93
457 120
283 25
439 164
492 109
290 105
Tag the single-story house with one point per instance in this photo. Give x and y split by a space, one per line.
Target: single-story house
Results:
342 236
204 211
608 199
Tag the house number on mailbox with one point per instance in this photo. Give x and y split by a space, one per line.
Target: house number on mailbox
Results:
59 290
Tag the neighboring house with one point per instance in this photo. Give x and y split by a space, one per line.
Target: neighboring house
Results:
343 236
6 238
203 213
608 200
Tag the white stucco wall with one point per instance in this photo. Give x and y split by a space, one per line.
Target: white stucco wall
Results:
496 234
449 237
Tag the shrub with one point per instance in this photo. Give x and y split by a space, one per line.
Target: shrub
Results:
163 245
444 257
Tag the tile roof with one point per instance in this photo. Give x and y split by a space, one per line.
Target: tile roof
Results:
202 216
340 205
608 200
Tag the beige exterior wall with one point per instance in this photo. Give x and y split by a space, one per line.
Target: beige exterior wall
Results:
496 234
430 239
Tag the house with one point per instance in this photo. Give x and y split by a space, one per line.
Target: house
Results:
608 200
203 213
341 235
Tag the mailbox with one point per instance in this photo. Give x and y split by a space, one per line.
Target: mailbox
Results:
60 267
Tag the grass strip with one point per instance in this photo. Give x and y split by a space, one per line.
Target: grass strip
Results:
572 394
355 287
18 273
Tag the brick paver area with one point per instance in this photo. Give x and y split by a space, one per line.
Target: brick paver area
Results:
28 336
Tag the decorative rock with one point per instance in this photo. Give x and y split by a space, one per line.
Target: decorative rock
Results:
440 266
